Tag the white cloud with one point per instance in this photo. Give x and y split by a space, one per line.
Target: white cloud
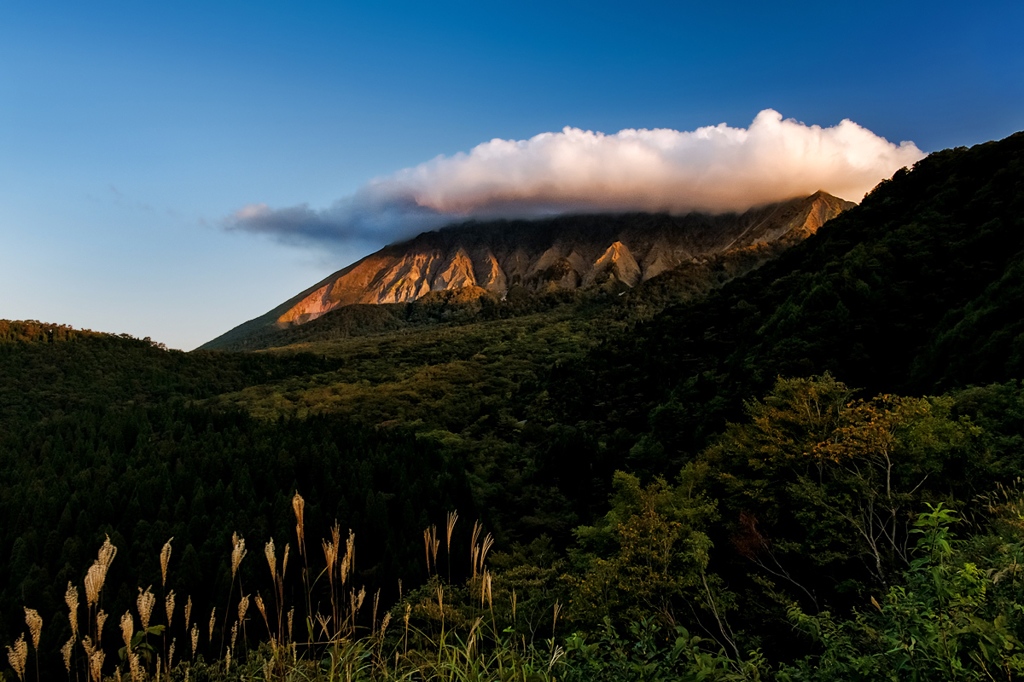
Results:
715 169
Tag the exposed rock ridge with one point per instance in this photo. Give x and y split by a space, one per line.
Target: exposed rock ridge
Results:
566 252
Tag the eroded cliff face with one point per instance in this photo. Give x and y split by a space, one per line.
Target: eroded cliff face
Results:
566 253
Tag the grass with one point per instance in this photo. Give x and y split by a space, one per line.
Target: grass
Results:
434 633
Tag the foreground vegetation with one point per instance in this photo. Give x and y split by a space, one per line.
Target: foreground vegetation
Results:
875 575
809 473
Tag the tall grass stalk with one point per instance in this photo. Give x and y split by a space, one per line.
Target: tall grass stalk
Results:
452 518
238 553
165 561
299 507
463 649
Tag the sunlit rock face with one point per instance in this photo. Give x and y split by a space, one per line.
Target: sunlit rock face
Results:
567 252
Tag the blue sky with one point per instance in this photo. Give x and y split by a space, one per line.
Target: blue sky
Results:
130 132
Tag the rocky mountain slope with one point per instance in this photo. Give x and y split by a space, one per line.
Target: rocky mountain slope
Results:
562 253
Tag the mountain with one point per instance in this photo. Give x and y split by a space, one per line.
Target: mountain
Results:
555 254
918 289
586 437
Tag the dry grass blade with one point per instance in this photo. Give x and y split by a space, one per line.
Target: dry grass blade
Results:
134 667
106 554
263 610
431 544
87 645
97 574
356 603
271 555
323 623
101 620
405 635
243 606
95 656
373 618
343 571
557 653
483 588
486 547
96 664
145 602
71 599
435 544
237 553
299 505
66 653
35 626
18 655
93 584
127 628
471 639
165 560
331 556
348 564
169 608
453 516
474 549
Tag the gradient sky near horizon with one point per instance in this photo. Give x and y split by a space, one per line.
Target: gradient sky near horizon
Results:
130 132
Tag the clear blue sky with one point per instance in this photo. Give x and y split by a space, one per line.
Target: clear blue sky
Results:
130 130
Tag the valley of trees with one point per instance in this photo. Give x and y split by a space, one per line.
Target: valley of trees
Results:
788 465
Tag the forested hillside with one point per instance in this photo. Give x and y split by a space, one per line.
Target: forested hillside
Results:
930 261
803 467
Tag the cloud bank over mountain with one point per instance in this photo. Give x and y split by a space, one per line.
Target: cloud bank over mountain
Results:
715 169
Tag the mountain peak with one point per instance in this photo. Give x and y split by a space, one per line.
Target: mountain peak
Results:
565 252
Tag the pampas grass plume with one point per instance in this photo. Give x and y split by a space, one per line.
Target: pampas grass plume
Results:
165 559
269 552
35 626
71 598
66 652
243 606
127 628
101 620
237 553
299 505
17 655
145 602
169 608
